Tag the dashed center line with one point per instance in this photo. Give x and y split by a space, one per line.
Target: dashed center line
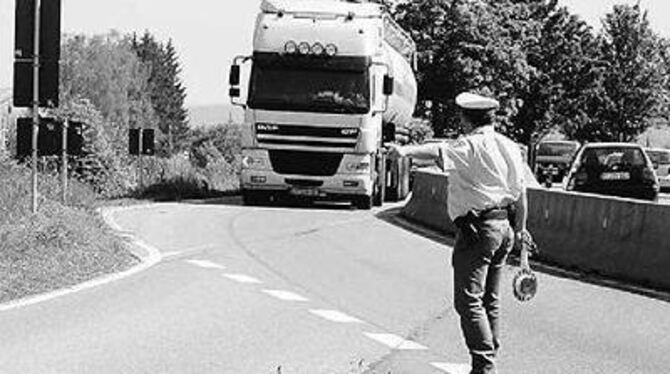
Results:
242 278
395 342
285 295
335 316
206 264
452 368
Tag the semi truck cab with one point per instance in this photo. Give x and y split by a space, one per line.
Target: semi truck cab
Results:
329 83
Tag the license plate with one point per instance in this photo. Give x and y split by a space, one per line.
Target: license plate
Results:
310 192
615 176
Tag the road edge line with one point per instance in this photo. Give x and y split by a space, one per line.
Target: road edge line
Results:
147 260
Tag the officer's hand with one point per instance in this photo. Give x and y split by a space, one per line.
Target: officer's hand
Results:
524 240
394 151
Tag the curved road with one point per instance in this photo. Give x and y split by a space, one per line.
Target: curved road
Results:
318 290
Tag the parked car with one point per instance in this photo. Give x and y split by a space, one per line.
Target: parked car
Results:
660 158
617 169
552 160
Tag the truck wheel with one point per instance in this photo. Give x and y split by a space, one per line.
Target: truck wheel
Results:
363 202
254 198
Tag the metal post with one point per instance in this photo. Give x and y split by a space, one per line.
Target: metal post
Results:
139 152
64 163
36 102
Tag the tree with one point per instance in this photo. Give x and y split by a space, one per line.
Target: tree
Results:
166 89
467 45
105 71
563 51
634 89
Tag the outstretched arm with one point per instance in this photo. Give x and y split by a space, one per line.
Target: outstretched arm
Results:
423 152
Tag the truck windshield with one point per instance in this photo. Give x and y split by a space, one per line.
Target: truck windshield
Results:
329 91
557 149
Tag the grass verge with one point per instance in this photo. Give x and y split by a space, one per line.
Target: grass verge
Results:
59 246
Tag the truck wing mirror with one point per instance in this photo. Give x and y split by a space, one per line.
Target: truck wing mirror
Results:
234 77
234 92
388 85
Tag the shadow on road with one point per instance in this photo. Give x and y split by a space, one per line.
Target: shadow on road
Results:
236 200
394 217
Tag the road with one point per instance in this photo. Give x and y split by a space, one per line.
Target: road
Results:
315 290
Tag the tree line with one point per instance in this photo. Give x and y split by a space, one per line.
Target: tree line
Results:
550 70
114 82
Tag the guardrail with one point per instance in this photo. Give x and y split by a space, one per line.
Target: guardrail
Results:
615 237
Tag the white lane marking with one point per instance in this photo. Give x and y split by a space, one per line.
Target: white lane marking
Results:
285 295
206 264
450 368
335 316
395 342
242 278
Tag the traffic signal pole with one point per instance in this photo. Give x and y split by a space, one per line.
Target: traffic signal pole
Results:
36 102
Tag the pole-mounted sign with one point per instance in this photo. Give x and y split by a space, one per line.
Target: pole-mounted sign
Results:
36 55
25 53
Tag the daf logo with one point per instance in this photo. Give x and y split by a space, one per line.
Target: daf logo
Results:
349 132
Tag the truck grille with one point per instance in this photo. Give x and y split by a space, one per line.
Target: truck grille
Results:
296 137
305 163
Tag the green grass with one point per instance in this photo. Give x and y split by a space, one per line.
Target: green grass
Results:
57 247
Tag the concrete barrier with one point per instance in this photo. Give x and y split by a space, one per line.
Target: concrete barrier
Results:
428 204
621 238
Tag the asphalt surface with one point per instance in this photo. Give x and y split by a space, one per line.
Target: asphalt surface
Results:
316 290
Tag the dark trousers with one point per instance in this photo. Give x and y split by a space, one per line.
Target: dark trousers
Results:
477 272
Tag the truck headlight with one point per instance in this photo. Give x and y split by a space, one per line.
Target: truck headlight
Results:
252 162
358 167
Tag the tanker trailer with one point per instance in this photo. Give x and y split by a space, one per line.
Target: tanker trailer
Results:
329 83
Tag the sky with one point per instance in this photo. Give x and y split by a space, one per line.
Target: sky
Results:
208 34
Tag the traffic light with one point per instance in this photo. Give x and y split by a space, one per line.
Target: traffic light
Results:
50 18
147 142
75 138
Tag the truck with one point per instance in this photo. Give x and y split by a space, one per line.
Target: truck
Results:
329 83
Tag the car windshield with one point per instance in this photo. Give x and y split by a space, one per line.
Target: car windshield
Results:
659 157
613 158
557 149
284 88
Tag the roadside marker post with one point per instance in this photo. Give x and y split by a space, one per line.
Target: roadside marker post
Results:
36 101
64 161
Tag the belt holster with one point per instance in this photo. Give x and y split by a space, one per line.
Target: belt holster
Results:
468 226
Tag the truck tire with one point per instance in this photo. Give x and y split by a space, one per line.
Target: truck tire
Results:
254 198
363 202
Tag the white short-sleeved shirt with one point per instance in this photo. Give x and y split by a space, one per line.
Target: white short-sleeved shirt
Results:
485 170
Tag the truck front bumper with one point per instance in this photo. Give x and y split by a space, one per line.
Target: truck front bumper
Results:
257 174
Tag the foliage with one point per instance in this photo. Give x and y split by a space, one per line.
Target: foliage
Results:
104 70
166 90
57 247
635 80
547 67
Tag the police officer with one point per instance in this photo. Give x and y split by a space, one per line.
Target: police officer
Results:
486 183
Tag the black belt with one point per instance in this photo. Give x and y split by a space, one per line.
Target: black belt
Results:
469 223
493 213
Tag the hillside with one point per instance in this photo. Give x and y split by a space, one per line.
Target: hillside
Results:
211 115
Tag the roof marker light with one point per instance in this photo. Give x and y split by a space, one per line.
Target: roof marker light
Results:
304 48
318 48
290 47
331 50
